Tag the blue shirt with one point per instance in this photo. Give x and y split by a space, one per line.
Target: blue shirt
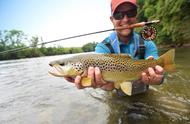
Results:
130 48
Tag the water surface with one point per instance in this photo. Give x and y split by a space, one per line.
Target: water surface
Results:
28 95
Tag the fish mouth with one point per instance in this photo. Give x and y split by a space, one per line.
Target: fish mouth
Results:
63 71
56 63
57 70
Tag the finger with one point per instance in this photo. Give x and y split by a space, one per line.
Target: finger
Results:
150 58
159 70
144 78
97 74
158 79
152 75
78 82
69 79
98 78
154 78
109 86
151 72
91 75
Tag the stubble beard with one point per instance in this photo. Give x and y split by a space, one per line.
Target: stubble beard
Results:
125 34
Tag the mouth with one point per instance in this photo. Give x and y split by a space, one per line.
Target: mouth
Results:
56 71
123 27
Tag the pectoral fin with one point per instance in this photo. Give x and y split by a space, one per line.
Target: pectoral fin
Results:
126 87
86 81
117 85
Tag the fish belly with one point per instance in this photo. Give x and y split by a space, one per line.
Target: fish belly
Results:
120 76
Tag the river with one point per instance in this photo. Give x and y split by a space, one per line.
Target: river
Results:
29 95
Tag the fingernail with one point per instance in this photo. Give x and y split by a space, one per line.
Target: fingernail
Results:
78 76
91 68
149 69
143 73
97 69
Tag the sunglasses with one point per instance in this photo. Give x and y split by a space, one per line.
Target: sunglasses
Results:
121 15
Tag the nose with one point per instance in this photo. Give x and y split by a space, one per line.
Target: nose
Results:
125 18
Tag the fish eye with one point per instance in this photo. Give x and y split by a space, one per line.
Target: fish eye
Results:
62 64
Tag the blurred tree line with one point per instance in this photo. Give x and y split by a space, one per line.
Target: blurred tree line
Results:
15 39
174 16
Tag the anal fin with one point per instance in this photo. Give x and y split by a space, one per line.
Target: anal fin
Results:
126 87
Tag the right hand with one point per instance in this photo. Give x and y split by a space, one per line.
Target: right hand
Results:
97 81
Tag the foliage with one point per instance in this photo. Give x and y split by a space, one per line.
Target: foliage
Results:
12 39
89 47
174 16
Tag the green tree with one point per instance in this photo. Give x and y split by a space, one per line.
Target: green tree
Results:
15 38
75 50
34 43
89 47
11 39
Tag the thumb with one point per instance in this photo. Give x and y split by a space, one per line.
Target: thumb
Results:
150 58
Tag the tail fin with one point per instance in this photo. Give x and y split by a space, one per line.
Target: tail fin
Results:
167 60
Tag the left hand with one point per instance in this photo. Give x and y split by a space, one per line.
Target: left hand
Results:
153 76
97 81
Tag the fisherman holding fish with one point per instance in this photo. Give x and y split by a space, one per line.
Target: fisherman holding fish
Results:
124 41
124 13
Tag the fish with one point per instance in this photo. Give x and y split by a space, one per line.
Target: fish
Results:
116 68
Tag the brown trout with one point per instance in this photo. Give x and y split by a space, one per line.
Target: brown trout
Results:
115 68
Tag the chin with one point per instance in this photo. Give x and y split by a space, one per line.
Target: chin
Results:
125 32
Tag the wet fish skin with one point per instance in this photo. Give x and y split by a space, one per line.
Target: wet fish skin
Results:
114 67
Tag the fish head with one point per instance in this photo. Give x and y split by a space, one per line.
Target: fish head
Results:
66 69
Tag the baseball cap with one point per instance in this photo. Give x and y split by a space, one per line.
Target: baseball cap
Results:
116 3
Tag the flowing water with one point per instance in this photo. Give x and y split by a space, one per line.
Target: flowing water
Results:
28 95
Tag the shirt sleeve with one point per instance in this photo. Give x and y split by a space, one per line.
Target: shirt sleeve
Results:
101 48
151 49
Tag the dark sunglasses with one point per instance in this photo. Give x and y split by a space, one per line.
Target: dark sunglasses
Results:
121 15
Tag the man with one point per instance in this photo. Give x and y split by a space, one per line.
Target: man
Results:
124 13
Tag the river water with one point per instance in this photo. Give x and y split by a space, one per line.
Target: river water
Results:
29 95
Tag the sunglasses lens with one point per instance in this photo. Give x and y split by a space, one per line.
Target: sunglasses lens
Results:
129 14
118 15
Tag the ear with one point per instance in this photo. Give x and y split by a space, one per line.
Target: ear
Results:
111 19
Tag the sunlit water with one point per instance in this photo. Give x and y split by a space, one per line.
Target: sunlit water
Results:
28 95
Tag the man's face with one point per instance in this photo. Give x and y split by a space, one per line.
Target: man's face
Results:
124 15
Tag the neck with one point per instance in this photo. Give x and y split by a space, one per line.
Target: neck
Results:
124 39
